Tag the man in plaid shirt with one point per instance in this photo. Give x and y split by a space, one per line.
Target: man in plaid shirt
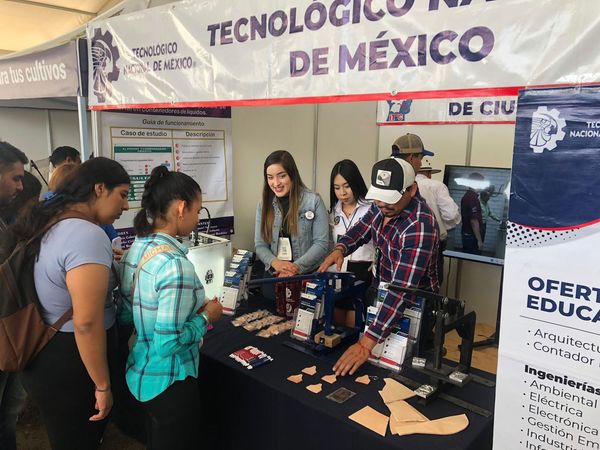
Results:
405 235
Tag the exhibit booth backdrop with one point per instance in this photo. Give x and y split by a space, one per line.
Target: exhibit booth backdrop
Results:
469 51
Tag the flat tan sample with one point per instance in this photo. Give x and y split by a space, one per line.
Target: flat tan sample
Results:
394 391
371 419
443 426
310 370
403 412
315 388
363 380
329 378
295 378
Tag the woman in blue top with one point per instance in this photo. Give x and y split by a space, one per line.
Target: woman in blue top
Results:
292 227
70 379
168 310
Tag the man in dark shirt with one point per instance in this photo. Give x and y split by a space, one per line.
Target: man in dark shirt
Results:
405 235
472 221
12 395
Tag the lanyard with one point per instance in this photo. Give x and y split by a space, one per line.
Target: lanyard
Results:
343 216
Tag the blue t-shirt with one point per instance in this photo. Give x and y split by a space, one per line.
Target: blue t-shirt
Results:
69 244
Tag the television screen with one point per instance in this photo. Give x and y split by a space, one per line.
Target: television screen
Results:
482 195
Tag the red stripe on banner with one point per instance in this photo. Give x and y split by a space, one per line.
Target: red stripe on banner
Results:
300 333
227 309
449 93
574 227
472 122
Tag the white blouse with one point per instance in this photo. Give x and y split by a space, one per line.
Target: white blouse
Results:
341 224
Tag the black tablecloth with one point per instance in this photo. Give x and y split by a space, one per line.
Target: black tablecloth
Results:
260 409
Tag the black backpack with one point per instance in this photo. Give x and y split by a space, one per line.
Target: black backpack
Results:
23 332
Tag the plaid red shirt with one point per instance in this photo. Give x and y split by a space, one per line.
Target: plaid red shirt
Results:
408 246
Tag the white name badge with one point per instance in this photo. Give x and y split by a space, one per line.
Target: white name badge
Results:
284 249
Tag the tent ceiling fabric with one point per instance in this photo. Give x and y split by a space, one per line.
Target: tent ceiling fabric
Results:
27 23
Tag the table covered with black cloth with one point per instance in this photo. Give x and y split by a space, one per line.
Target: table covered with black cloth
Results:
260 409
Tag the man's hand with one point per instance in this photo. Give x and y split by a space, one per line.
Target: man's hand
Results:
335 257
354 357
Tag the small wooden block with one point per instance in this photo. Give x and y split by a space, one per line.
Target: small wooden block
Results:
363 380
295 378
315 388
310 370
329 378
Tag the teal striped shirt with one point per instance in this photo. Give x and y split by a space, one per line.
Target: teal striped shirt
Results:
167 296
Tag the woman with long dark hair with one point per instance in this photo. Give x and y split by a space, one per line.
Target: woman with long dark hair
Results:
168 310
347 206
70 378
291 234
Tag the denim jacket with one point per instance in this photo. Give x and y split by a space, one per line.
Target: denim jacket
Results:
310 245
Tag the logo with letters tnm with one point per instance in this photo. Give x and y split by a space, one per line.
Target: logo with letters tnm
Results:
397 110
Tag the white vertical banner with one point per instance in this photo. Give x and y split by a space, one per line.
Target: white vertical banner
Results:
548 388
193 141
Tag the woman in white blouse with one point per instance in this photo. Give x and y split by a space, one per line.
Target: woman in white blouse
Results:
347 206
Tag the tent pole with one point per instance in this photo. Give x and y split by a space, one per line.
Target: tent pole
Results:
84 141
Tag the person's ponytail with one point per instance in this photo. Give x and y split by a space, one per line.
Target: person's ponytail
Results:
160 190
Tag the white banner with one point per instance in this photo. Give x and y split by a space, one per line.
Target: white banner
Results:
548 391
196 142
500 110
265 52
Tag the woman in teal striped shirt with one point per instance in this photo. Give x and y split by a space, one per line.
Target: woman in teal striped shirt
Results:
168 310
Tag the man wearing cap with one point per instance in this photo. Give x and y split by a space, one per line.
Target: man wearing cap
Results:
404 233
445 210
410 148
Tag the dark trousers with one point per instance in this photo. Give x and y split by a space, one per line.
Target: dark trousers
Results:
469 243
12 399
173 417
58 382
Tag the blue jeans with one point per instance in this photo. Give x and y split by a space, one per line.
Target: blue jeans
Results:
12 399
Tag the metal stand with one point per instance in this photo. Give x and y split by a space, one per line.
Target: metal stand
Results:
494 339
441 375
329 336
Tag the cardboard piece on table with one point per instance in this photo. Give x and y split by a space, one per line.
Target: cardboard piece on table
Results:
310 370
295 378
444 426
329 378
403 412
371 419
394 391
363 380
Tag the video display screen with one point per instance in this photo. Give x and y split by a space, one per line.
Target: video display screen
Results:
482 195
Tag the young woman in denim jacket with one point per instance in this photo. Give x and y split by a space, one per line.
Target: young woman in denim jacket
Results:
289 210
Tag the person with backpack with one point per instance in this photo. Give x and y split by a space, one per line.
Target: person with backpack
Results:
69 379
12 396
164 298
